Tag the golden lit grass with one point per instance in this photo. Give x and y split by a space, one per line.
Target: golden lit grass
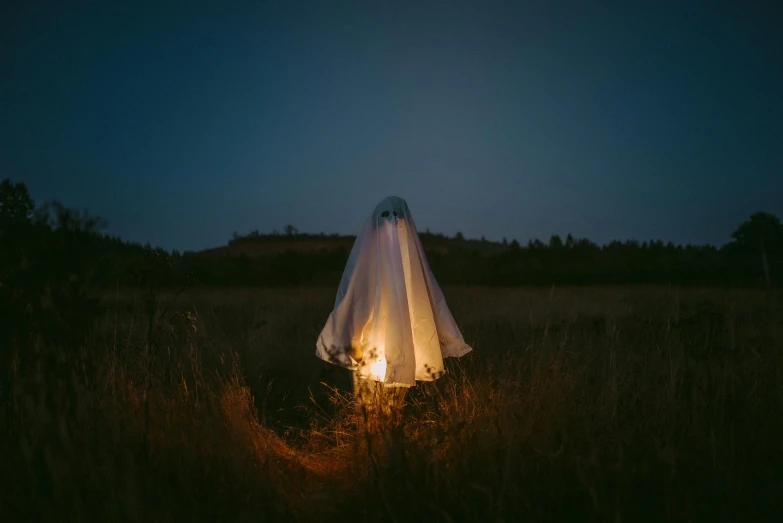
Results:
620 404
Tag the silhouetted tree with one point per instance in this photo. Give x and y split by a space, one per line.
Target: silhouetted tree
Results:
16 206
761 236
47 259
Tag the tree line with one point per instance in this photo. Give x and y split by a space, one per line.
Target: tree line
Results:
52 245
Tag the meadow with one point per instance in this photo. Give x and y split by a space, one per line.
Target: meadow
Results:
584 404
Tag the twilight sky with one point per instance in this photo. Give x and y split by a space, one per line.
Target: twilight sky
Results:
179 124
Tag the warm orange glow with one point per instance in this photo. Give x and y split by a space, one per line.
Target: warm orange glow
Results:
377 363
378 370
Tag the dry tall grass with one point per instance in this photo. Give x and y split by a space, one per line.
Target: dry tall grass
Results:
646 404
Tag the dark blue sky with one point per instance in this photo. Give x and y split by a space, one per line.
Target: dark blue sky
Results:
183 123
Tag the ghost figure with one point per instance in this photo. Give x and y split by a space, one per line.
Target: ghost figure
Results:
390 322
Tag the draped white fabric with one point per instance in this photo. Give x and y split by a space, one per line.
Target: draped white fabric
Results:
390 321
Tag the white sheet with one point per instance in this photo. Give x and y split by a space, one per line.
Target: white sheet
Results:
390 321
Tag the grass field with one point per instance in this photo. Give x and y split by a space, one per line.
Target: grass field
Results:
589 404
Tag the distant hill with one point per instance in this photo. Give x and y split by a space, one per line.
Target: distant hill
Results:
269 245
257 245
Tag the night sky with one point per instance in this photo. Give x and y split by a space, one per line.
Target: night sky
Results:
181 124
